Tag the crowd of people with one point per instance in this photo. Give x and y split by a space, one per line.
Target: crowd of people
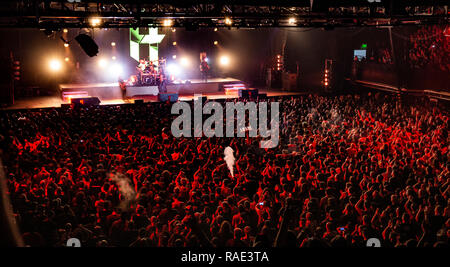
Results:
426 47
347 168
429 46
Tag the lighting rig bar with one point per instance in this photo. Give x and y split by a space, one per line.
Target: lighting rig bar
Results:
229 14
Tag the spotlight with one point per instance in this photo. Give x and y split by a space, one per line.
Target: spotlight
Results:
55 65
95 22
173 69
206 59
113 44
174 56
48 32
116 70
102 63
215 29
66 59
65 30
228 21
174 43
184 62
326 83
114 58
66 45
216 43
167 22
224 61
174 30
292 21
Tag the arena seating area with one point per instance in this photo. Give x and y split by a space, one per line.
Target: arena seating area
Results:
348 168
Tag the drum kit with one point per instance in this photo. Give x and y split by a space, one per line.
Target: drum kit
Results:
150 73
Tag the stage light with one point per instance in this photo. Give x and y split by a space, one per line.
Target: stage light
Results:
215 29
224 61
173 69
66 59
114 58
292 21
167 22
326 83
228 21
113 44
174 43
326 74
65 30
95 22
102 63
174 56
216 42
66 45
174 30
184 62
206 59
116 70
55 65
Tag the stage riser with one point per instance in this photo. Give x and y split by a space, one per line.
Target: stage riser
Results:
142 90
193 88
110 93
103 93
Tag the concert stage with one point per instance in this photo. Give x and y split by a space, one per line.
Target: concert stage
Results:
109 91
56 101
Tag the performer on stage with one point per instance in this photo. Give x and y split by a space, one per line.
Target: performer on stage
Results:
123 88
204 67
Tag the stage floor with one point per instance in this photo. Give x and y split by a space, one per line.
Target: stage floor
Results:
56 101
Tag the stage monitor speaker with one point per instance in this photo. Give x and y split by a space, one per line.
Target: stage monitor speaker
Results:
168 97
87 44
139 101
243 93
250 93
86 101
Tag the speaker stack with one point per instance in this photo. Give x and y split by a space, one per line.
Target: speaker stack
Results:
87 44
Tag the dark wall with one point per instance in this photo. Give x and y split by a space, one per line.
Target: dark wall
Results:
251 50
309 48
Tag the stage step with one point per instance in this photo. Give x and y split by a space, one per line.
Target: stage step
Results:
233 88
67 96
